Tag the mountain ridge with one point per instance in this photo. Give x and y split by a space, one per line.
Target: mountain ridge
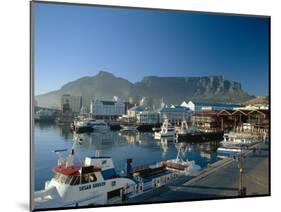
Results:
150 89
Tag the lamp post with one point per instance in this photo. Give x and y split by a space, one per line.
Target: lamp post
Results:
242 189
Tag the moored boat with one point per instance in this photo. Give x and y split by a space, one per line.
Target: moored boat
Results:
236 143
100 125
96 182
84 125
167 130
93 182
186 134
184 167
128 127
148 178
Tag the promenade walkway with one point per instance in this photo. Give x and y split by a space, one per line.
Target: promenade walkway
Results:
219 180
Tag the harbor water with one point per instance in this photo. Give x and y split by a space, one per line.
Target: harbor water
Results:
141 147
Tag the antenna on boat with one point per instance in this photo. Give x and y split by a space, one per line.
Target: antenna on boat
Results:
69 159
179 154
59 153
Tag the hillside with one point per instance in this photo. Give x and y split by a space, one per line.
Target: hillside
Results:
151 90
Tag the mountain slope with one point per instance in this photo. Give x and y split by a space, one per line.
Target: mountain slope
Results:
173 90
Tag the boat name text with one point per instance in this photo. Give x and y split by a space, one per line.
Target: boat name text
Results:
86 187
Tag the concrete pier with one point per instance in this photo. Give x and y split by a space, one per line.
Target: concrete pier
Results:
219 180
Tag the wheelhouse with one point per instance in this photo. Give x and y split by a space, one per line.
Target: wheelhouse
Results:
76 174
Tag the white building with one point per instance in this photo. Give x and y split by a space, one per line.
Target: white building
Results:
189 105
111 109
134 111
196 106
147 117
74 103
175 114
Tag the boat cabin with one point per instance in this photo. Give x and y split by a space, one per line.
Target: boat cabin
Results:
76 174
94 169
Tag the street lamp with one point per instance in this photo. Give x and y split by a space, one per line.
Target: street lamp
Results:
242 189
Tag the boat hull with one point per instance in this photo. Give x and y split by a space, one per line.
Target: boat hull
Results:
159 135
84 129
147 127
202 137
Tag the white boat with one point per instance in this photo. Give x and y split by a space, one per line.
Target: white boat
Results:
235 143
223 152
148 178
229 150
84 123
183 129
128 127
167 130
240 138
184 167
93 182
100 125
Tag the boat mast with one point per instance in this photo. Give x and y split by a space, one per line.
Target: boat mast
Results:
70 157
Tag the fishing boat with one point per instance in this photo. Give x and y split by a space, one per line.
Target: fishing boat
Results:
240 138
100 125
184 167
84 125
150 177
190 134
128 127
223 152
167 130
94 182
236 143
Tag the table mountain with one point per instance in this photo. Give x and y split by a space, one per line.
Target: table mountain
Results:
173 90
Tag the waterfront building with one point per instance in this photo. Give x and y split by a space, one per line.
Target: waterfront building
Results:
107 109
147 117
254 121
189 105
206 120
251 120
44 115
175 114
134 111
70 103
197 106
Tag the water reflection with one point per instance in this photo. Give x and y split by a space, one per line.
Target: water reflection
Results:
141 147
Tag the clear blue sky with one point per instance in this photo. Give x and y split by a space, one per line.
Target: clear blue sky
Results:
74 41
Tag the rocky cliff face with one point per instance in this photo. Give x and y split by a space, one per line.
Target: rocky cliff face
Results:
173 90
176 89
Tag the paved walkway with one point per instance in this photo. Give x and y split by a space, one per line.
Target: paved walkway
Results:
220 180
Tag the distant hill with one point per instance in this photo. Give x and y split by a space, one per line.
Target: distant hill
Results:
259 100
151 90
